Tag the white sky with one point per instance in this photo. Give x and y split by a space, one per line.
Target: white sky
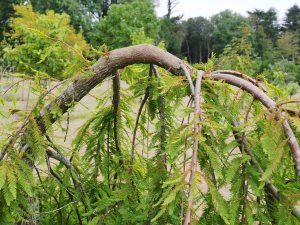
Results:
207 8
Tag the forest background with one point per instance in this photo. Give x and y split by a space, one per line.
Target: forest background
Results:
269 45
121 155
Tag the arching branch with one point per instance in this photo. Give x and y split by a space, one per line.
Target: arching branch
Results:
267 102
145 53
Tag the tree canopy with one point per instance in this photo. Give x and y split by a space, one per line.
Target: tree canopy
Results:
111 115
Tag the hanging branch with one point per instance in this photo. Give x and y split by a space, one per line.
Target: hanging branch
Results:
70 195
184 161
116 105
162 117
270 104
243 145
194 163
116 110
144 100
47 192
57 155
188 76
270 188
108 156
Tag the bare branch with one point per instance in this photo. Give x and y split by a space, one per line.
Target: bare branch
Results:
145 98
189 78
244 76
194 163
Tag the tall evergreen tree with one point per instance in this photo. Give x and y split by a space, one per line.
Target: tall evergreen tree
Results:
267 20
6 12
226 26
198 40
292 20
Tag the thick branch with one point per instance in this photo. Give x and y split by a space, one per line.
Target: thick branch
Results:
117 59
269 103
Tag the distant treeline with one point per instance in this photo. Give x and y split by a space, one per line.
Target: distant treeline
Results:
112 22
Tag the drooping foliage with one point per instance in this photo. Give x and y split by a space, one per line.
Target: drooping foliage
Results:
108 175
133 159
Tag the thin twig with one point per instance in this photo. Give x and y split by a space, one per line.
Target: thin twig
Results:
184 161
55 210
68 123
189 78
144 100
194 163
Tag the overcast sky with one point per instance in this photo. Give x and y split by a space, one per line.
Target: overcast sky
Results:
207 8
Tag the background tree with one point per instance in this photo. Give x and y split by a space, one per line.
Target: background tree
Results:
44 43
292 20
267 21
122 20
6 12
288 46
172 32
171 29
197 44
226 26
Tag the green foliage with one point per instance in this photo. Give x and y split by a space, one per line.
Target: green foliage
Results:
103 178
239 54
44 44
227 26
198 39
122 20
106 182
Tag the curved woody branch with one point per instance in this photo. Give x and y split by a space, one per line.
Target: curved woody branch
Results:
144 53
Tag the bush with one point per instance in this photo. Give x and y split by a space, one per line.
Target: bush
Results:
44 44
124 19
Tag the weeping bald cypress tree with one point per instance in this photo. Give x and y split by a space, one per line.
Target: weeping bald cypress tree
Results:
167 143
